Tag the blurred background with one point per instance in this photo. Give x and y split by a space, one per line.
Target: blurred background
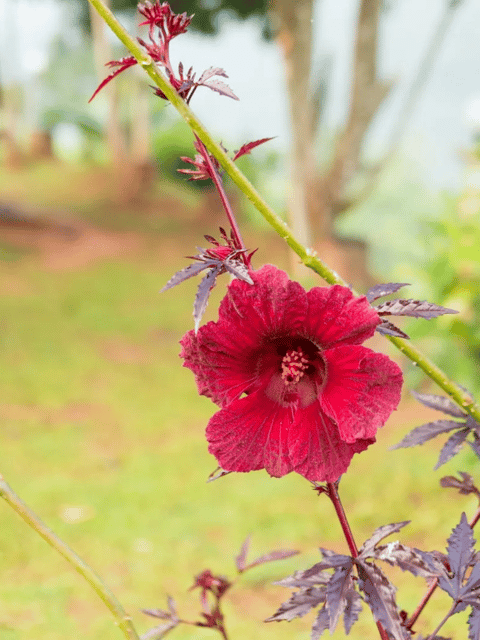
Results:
375 109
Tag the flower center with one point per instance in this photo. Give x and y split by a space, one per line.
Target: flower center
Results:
294 364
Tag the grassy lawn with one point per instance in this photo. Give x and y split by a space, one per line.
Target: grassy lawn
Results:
103 436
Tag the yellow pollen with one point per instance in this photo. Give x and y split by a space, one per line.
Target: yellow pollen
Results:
294 365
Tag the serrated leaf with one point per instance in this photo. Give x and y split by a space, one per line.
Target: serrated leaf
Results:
321 623
426 432
406 558
473 582
475 446
412 308
203 293
380 596
474 624
441 403
238 269
242 556
353 607
122 65
210 73
299 604
220 87
340 583
247 148
330 561
189 271
451 447
386 328
157 613
159 632
465 486
298 579
460 549
473 425
280 554
382 290
379 534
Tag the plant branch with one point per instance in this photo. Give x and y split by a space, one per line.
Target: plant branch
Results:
332 493
429 593
308 256
123 621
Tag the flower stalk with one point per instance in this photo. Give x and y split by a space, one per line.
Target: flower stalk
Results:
332 493
307 256
122 619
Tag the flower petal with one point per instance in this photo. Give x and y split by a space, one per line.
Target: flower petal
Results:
273 304
361 391
315 448
250 434
335 316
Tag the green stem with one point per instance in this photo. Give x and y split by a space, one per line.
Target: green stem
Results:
308 256
123 621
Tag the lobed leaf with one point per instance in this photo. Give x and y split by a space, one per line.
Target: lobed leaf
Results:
242 556
465 485
474 624
406 558
280 554
321 623
353 607
298 579
412 308
248 146
299 604
189 271
382 290
338 586
441 403
426 432
380 596
220 87
460 550
386 328
451 447
203 293
380 533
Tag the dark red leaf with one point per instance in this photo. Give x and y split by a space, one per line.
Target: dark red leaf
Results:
412 308
189 271
386 328
242 556
210 73
465 485
220 87
353 607
441 403
321 623
280 554
460 550
299 604
247 148
382 290
406 558
380 533
218 473
380 596
203 293
451 447
298 579
122 64
339 585
426 432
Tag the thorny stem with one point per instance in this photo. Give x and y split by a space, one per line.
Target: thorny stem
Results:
223 196
307 255
123 621
332 493
429 593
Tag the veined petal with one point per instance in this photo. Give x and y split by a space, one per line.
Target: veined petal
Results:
362 389
315 447
335 316
250 434
273 304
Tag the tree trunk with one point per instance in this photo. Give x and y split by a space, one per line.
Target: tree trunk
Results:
292 22
102 54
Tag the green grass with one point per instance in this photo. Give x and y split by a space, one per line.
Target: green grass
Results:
100 420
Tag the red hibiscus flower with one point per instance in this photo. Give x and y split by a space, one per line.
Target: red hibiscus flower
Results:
296 391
